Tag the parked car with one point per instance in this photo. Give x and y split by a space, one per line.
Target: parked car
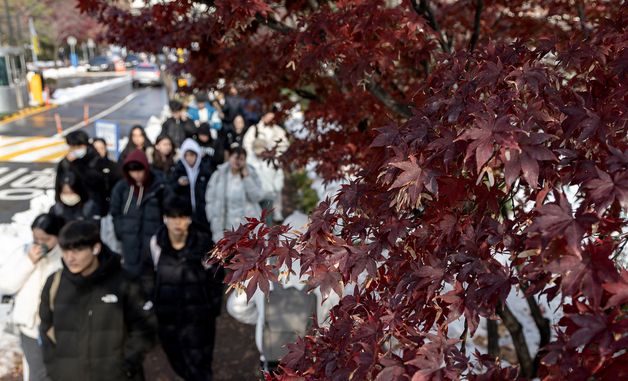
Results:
101 63
132 60
146 74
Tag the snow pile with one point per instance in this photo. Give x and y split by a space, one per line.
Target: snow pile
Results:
63 96
62 72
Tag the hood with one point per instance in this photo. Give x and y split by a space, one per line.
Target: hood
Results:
140 157
109 263
191 171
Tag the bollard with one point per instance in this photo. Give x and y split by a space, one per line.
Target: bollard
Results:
58 122
86 114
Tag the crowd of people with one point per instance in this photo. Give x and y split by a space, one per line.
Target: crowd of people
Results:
117 264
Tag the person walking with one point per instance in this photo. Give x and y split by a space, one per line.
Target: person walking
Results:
211 147
186 295
23 275
178 126
96 324
137 140
80 161
233 193
189 180
73 202
232 136
136 208
109 171
163 155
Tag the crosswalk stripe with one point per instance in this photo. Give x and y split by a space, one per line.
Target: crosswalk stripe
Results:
8 142
30 149
53 157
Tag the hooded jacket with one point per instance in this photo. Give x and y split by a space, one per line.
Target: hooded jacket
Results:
178 130
137 212
101 325
198 177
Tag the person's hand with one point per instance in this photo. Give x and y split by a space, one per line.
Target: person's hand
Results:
35 253
183 181
244 171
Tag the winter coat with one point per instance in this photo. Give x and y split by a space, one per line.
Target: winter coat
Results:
102 325
110 174
178 130
210 117
186 297
86 172
228 137
20 277
229 199
213 152
88 210
198 177
273 136
137 212
233 107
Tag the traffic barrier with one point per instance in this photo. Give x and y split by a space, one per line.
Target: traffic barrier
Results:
58 122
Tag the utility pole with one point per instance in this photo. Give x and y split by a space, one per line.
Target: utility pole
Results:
7 11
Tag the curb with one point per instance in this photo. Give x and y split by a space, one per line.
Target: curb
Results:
23 113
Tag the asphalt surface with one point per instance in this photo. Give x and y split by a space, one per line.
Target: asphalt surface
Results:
14 195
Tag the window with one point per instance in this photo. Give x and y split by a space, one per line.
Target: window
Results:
4 74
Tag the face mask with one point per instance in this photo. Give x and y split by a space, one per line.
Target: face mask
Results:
80 153
70 199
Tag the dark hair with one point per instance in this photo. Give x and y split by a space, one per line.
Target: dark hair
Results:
162 137
99 140
177 207
202 97
203 129
71 180
77 138
236 149
134 166
175 106
49 223
79 234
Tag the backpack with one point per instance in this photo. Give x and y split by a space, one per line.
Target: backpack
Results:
288 314
54 288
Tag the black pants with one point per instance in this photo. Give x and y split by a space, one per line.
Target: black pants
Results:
190 349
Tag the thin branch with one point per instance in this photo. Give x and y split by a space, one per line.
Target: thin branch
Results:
583 18
463 338
423 9
479 6
543 325
378 92
273 24
518 340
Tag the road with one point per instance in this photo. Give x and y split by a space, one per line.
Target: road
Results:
30 147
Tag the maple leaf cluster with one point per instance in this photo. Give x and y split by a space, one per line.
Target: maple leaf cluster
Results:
473 131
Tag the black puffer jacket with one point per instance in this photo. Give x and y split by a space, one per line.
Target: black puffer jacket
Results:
178 130
110 174
187 298
137 212
101 327
82 211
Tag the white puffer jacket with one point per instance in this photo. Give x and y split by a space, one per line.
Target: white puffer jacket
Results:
20 277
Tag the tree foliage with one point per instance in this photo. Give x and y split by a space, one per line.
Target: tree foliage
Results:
487 146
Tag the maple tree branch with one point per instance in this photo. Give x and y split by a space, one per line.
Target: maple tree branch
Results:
463 338
378 92
479 6
518 339
583 18
273 24
423 9
493 338
543 325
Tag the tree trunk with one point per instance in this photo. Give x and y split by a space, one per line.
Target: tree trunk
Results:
518 340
